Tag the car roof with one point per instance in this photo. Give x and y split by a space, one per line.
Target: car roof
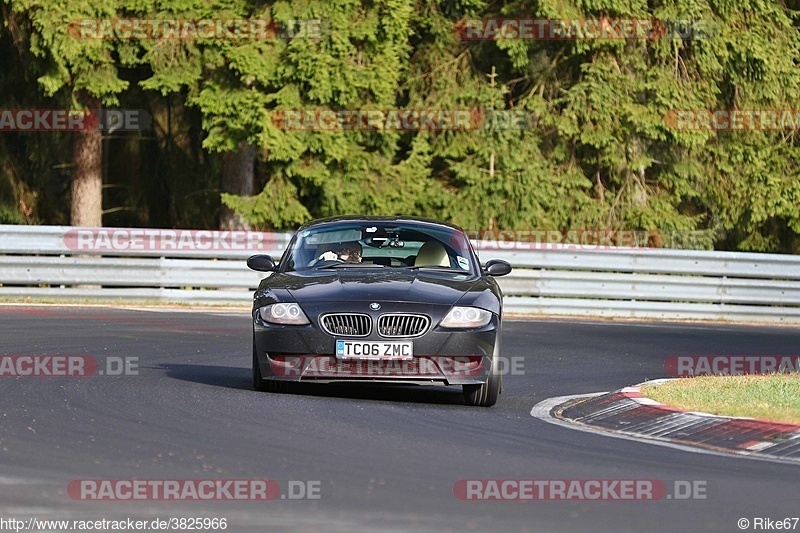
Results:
420 221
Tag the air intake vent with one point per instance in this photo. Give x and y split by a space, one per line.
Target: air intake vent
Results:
402 325
350 324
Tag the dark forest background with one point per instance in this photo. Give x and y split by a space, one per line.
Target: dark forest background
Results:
597 151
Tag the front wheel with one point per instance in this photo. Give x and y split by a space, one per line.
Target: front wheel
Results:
265 385
484 395
258 380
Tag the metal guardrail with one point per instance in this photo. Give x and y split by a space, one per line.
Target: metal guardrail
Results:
205 267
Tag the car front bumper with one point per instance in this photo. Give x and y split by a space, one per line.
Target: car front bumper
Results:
441 356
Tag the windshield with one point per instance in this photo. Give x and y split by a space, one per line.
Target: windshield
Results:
380 245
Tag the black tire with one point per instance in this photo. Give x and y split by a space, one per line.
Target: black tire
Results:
258 380
266 385
280 387
485 394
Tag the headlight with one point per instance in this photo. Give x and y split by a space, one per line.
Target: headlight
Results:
466 317
283 314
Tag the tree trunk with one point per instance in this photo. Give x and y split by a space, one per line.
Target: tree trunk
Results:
86 208
237 178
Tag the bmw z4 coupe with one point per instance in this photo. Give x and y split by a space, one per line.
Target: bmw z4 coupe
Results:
398 300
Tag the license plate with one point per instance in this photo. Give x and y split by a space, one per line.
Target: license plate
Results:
346 349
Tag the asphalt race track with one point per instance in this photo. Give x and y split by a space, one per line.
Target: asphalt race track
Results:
385 458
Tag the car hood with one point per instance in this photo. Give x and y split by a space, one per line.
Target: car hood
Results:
419 286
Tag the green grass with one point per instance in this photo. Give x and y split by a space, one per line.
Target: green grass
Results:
772 397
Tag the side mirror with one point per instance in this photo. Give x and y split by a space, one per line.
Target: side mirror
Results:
262 263
497 267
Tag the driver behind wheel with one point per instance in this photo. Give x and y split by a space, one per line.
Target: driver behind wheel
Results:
348 253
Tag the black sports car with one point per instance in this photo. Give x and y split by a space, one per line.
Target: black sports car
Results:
380 299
